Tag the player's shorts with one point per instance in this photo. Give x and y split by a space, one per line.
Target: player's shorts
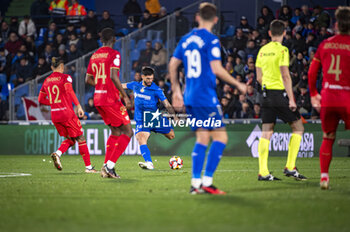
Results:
164 127
205 117
71 128
114 115
330 117
276 105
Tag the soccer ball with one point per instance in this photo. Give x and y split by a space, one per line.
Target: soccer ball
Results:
175 162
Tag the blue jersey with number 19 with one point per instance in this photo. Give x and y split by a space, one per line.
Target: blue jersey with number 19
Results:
196 50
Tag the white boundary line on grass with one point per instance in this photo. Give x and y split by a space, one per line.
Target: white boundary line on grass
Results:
5 174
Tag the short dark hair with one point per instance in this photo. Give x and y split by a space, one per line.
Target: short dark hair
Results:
56 61
147 71
107 35
277 27
207 11
342 15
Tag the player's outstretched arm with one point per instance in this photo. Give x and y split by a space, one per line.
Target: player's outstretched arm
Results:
169 108
221 73
177 98
312 76
119 86
43 98
124 85
259 75
287 82
69 90
89 79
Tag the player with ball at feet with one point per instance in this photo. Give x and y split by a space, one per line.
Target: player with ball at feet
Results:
199 51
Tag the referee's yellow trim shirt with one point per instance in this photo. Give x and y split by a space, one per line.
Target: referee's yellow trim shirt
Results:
270 58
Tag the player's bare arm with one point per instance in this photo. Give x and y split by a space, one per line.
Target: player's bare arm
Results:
287 82
89 79
169 108
118 85
259 75
178 101
124 85
312 76
221 73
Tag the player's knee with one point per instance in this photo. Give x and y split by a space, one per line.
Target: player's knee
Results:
171 135
129 133
80 138
330 135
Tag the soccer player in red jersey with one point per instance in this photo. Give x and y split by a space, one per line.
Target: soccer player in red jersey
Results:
103 73
57 92
333 54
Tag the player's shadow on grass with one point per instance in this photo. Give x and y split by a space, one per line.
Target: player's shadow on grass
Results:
121 180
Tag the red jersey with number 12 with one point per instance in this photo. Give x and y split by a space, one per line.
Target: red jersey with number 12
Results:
334 55
60 101
101 63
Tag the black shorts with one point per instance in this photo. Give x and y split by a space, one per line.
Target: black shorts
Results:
276 105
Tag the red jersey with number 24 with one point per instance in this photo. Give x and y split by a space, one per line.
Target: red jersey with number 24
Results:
60 101
334 55
101 63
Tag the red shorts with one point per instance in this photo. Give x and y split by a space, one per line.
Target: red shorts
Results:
114 115
330 117
71 128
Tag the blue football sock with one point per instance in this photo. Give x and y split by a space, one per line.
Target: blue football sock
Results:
198 157
146 154
214 157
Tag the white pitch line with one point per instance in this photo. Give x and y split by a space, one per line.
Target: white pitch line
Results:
14 174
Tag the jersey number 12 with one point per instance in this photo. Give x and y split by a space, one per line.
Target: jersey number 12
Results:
194 66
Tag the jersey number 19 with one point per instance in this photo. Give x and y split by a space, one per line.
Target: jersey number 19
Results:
194 66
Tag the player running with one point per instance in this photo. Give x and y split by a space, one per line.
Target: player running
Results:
272 70
147 95
199 51
333 54
103 73
57 92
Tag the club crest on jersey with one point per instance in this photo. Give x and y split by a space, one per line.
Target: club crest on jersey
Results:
123 110
142 90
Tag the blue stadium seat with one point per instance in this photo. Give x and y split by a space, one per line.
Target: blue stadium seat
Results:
77 31
20 92
157 41
132 44
88 95
229 32
132 74
12 78
20 114
124 31
159 35
117 45
39 87
135 55
141 45
62 31
99 43
3 79
41 34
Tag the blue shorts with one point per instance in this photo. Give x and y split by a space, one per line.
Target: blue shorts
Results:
163 128
208 118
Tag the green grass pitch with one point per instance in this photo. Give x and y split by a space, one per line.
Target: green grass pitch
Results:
158 200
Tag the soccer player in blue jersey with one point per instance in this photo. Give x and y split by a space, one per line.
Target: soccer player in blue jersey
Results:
199 51
146 96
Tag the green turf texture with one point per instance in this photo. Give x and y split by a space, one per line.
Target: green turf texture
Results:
158 200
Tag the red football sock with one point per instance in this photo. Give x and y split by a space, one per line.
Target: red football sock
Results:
121 145
112 140
84 152
65 145
326 154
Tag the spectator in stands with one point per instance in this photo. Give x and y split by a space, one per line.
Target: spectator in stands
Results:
182 24
242 109
62 53
91 23
297 68
14 23
3 110
162 26
74 53
252 95
50 34
145 57
105 22
13 44
27 27
24 71
311 43
137 76
132 11
229 68
251 49
323 34
91 110
58 9
303 100
48 53
288 42
256 37
75 12
227 109
82 32
153 7
146 19
322 18
298 27
244 25
285 13
309 29
239 41
239 66
299 44
42 67
4 32
257 111
69 31
58 41
89 43
267 15
262 27
3 62
74 40
296 17
305 15
39 11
